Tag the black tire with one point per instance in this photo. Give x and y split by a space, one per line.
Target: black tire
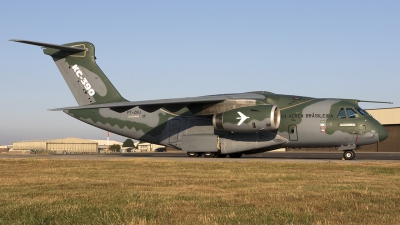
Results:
349 155
194 154
222 156
235 155
210 154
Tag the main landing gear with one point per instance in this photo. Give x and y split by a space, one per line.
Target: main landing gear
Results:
349 155
213 155
194 154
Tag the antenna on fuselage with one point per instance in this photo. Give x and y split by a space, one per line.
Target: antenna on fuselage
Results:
374 102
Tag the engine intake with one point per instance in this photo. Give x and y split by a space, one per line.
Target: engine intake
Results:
248 119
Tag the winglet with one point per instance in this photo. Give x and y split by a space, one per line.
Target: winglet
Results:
47 45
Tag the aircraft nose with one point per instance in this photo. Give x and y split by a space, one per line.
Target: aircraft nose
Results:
383 134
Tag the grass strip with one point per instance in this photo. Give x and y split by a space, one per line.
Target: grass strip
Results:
143 191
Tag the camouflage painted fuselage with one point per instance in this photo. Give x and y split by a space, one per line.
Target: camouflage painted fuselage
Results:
304 122
226 124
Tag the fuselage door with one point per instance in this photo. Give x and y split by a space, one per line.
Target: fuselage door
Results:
292 129
173 130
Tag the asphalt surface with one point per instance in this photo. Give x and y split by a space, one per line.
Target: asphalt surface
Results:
268 156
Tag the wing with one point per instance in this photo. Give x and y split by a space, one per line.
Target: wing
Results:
208 104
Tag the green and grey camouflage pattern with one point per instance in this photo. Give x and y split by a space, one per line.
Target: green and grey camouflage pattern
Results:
215 125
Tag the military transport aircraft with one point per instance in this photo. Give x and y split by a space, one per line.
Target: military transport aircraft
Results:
215 125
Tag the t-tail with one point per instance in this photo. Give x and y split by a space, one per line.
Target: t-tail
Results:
76 62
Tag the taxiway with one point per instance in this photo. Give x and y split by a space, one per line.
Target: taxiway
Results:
181 156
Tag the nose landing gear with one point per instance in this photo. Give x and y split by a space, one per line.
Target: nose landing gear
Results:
349 155
348 151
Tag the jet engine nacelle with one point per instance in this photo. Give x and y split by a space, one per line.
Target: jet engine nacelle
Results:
248 119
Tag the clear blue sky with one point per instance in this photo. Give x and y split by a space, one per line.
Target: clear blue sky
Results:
168 49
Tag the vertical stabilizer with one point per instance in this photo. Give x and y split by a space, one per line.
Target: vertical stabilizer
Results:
76 62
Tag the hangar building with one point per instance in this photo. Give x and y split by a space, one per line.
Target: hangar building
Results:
5 148
390 119
64 145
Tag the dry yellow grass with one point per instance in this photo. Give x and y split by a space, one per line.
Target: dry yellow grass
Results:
140 191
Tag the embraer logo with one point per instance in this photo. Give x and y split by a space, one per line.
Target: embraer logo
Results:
242 118
84 81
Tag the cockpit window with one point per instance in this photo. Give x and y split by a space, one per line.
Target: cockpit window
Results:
341 114
362 111
351 113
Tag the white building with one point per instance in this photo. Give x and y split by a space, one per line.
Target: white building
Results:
102 144
148 147
63 145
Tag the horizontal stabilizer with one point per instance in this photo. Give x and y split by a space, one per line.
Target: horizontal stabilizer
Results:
47 45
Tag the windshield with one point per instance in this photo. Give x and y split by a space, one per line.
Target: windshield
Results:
341 114
351 113
362 111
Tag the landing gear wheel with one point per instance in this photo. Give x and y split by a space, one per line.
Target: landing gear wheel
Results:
194 154
210 154
235 155
222 156
349 155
